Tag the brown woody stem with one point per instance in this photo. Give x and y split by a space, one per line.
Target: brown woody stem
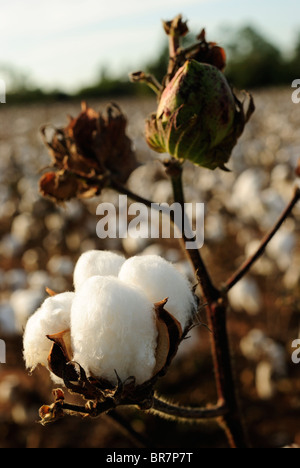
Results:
216 315
245 267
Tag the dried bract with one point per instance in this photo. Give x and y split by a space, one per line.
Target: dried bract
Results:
87 154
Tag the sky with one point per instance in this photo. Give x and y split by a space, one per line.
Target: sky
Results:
64 43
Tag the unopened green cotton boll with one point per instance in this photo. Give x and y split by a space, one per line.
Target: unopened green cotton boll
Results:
113 329
52 317
198 117
159 280
96 263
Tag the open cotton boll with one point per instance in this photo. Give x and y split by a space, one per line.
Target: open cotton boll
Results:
96 263
52 317
159 280
113 328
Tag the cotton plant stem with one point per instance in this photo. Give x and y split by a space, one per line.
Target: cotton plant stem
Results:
176 412
245 267
216 315
133 196
174 170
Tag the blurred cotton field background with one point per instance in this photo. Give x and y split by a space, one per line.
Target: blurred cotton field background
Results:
40 244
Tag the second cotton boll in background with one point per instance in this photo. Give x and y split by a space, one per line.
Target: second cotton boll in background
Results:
113 329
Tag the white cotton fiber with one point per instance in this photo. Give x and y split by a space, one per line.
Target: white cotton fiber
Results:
113 329
52 317
96 263
159 280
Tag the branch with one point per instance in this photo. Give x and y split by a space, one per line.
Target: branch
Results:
178 412
211 294
245 267
125 191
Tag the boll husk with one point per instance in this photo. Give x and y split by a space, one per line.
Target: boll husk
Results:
52 317
96 263
159 279
113 330
198 117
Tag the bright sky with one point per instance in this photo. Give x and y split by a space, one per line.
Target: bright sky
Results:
64 43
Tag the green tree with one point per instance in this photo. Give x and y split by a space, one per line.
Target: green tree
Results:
253 60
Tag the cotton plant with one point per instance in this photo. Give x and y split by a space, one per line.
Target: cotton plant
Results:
119 330
113 337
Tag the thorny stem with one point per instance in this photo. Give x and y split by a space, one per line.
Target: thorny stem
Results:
245 267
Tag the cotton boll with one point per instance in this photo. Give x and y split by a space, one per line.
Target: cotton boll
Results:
10 246
246 296
22 227
265 386
250 181
60 265
281 248
252 345
52 317
7 319
257 346
24 304
113 328
159 280
15 279
39 280
96 263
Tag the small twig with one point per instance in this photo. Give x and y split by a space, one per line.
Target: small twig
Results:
245 267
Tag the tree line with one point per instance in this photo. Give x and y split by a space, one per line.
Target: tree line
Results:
253 61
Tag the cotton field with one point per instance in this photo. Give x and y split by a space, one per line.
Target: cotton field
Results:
40 244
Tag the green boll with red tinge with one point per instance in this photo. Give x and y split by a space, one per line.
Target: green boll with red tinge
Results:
198 117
